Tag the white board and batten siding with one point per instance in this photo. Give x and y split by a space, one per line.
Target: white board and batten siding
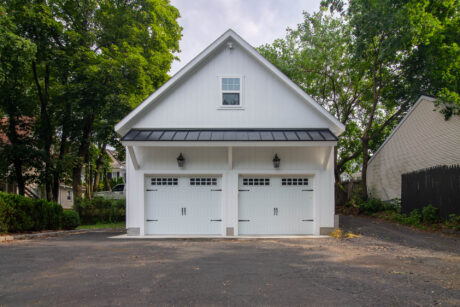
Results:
192 100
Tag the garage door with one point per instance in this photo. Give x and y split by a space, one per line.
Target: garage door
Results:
275 205
183 205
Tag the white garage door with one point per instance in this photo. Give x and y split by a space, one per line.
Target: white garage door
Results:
183 205
275 205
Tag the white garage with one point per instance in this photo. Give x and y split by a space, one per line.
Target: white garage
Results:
229 146
275 206
183 205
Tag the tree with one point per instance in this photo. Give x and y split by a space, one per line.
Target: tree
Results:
17 151
94 61
317 57
391 39
433 66
128 57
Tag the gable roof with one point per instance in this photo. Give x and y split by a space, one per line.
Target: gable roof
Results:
423 97
124 125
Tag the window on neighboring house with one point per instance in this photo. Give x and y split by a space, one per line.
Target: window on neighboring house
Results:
69 195
231 91
109 176
118 175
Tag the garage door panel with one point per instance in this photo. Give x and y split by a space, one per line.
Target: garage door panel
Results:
188 205
279 206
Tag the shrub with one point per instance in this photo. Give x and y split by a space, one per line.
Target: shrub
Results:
20 214
413 219
453 222
393 205
70 219
372 205
100 210
430 214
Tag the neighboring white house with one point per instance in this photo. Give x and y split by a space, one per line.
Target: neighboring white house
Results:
422 139
117 168
229 146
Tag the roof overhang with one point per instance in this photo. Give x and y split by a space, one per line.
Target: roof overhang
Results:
229 144
229 137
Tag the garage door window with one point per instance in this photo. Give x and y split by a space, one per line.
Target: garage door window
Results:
203 181
256 181
164 181
294 181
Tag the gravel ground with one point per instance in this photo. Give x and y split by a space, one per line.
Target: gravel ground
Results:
388 265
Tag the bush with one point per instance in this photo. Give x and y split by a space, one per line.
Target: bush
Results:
430 214
393 205
100 210
413 219
372 205
20 214
70 220
453 222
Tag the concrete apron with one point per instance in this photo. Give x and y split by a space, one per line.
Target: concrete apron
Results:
218 237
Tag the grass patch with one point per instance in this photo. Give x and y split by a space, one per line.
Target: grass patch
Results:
103 225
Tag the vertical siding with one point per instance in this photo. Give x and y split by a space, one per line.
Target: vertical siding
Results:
245 160
267 102
423 140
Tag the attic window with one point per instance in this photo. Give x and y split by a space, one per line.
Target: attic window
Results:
230 92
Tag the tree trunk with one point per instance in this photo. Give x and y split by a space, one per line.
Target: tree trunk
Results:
82 154
364 169
107 183
98 167
46 134
17 163
62 152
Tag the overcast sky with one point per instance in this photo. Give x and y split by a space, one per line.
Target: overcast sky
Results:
257 21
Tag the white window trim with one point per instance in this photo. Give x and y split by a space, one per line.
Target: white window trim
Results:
220 106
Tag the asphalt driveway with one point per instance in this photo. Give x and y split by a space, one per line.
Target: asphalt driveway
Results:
388 265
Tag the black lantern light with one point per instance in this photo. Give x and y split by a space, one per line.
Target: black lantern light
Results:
276 161
180 160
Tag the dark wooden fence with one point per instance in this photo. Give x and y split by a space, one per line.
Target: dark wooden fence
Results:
438 186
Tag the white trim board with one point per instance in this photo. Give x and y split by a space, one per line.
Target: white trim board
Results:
124 125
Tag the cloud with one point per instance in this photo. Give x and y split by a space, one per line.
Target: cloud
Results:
257 21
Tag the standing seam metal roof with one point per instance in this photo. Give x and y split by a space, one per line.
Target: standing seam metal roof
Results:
216 135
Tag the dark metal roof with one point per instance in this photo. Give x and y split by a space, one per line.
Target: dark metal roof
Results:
216 135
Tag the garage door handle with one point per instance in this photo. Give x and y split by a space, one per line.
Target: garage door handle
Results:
148 190
216 190
243 190
308 190
152 220
307 220
216 220
243 220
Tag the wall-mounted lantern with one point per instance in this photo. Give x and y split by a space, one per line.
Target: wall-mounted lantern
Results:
276 161
180 160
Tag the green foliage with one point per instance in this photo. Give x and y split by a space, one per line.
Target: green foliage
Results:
453 222
414 218
20 214
114 181
100 210
393 205
430 214
372 205
81 65
317 56
70 220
